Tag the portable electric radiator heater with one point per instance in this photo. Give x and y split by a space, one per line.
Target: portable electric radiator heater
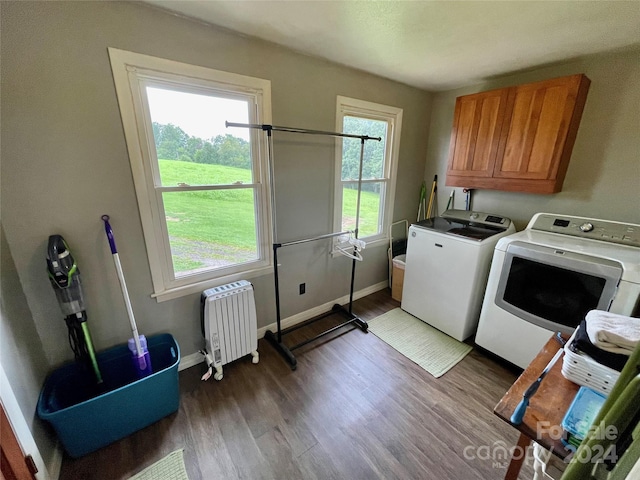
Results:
229 325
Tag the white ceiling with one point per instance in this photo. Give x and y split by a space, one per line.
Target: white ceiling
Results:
433 45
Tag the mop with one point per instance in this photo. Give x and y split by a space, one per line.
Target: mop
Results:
142 361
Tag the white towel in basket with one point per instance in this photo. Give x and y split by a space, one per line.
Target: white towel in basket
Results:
613 332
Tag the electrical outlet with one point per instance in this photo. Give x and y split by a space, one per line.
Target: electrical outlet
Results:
303 288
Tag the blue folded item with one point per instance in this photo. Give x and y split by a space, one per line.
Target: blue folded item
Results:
580 416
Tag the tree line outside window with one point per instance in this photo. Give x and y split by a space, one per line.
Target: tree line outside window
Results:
173 143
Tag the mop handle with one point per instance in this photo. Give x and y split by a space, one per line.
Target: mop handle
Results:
110 237
123 285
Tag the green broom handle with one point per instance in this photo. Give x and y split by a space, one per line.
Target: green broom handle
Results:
92 353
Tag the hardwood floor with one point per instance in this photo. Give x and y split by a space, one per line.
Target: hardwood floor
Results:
354 409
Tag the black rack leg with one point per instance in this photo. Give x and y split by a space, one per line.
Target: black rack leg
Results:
352 284
273 339
362 324
281 348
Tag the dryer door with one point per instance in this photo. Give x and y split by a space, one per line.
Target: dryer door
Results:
553 288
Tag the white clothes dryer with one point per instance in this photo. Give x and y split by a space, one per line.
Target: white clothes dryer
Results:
547 277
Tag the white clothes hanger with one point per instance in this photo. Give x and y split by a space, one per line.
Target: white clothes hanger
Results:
354 255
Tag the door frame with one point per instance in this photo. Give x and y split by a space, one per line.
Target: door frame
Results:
21 432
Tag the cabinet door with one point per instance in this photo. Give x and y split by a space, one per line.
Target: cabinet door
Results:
535 139
475 137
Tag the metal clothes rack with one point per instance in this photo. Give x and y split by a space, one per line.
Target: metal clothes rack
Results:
276 339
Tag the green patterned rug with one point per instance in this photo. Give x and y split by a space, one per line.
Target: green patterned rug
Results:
433 350
170 467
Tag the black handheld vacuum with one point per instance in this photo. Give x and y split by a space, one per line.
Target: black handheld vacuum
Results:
65 279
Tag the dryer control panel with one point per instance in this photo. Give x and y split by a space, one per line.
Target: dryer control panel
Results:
591 228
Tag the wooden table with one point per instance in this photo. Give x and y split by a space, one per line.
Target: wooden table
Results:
546 409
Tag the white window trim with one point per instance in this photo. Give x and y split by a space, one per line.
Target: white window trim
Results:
130 71
374 111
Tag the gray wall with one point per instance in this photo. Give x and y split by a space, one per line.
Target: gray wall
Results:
65 163
603 179
21 354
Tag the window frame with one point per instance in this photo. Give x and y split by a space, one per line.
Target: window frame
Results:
346 106
132 73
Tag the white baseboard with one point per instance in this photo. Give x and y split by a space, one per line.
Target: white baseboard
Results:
190 360
196 358
55 465
320 309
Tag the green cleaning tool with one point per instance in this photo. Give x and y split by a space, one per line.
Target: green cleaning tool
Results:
421 201
65 279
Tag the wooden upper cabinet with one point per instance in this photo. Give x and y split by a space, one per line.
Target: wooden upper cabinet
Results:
517 138
476 133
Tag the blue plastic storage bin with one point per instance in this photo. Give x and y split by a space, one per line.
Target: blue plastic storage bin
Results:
580 416
87 416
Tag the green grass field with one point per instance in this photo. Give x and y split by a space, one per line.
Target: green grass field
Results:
217 227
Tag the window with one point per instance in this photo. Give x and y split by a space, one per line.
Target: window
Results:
201 187
378 170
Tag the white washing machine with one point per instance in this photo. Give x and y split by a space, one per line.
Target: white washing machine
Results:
548 276
446 269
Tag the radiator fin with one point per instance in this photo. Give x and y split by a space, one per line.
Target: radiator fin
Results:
229 321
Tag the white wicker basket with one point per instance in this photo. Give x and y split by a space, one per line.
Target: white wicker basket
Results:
580 368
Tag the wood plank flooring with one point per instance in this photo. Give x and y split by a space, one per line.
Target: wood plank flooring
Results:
354 409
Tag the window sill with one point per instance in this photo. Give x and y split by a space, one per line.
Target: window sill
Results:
198 287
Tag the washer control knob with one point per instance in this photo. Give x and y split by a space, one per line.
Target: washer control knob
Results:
586 227
474 216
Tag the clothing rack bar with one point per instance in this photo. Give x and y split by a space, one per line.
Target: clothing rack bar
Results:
275 128
326 332
272 183
303 324
276 338
286 351
353 265
313 239
276 282
353 278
